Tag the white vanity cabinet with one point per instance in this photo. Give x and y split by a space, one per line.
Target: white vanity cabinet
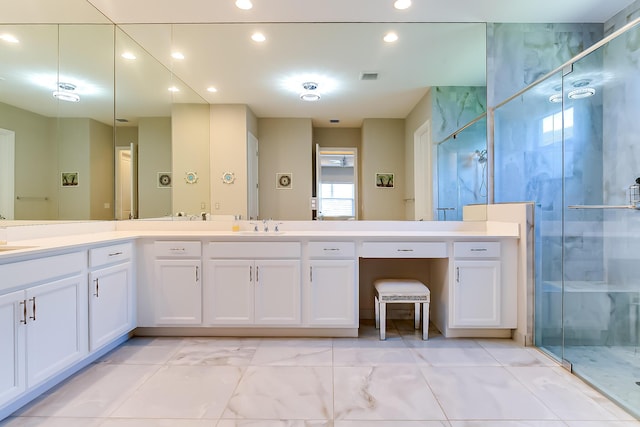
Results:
331 290
476 290
44 321
111 294
252 283
177 283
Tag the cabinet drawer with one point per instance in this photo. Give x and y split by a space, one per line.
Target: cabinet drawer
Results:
404 250
254 250
332 250
109 254
177 249
476 249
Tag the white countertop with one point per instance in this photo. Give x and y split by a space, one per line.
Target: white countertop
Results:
41 238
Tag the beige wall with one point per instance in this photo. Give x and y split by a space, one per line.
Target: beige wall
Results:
125 135
74 145
285 147
383 152
228 153
154 155
190 153
420 114
102 159
36 159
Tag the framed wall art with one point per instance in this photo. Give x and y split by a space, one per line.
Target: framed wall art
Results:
384 180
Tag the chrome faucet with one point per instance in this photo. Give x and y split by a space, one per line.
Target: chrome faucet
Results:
265 224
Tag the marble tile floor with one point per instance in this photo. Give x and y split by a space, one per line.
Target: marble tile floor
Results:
323 382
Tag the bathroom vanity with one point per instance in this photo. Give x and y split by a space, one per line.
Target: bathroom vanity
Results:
71 292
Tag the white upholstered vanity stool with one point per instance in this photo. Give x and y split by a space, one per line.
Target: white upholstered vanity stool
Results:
402 291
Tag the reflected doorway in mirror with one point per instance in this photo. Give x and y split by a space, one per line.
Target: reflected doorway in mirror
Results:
284 181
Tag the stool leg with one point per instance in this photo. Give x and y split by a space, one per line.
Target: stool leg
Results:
425 321
376 304
416 313
383 320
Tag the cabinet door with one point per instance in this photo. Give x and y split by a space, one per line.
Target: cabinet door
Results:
228 292
177 292
110 304
12 328
277 292
475 294
332 290
56 327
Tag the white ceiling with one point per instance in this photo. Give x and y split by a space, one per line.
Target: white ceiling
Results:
334 41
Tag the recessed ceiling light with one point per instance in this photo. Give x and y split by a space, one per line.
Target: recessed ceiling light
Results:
309 96
258 37
174 89
211 89
244 4
390 37
583 92
128 55
177 55
9 38
402 4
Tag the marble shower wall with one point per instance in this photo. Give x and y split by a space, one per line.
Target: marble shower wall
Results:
461 178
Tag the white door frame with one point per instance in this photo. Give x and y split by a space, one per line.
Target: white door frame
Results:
253 193
423 171
7 173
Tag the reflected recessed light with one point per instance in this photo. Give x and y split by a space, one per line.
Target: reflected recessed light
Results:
174 89
309 96
390 37
244 4
402 4
177 55
128 55
555 98
258 37
9 38
583 92
211 89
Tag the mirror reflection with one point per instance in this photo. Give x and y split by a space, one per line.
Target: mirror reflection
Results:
145 139
336 183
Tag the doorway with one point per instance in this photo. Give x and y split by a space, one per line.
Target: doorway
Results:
7 173
423 166
126 182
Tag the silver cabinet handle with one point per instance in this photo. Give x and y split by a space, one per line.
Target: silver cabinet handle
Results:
197 274
97 294
330 249
458 274
405 250
23 303
311 274
33 300
257 274
478 249
115 253
177 249
251 273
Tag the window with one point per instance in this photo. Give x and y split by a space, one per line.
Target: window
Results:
338 199
552 126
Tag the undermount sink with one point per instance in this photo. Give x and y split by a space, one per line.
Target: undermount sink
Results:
7 248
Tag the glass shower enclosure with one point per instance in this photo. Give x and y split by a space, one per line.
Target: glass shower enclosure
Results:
571 144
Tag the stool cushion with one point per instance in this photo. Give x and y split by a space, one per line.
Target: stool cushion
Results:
401 290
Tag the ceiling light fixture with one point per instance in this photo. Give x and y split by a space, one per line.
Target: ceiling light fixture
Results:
177 55
390 37
309 94
258 37
555 98
582 92
9 38
244 4
65 92
128 55
212 89
402 4
174 89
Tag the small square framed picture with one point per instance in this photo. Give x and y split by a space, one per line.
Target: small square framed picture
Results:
384 180
284 181
69 179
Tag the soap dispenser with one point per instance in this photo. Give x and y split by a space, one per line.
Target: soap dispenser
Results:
236 223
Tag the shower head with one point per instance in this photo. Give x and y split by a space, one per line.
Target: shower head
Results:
482 156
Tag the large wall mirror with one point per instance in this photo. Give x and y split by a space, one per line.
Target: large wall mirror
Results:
145 141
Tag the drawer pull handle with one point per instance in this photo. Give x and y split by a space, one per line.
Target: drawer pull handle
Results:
330 249
23 303
33 300
177 249
478 249
97 294
405 250
115 253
